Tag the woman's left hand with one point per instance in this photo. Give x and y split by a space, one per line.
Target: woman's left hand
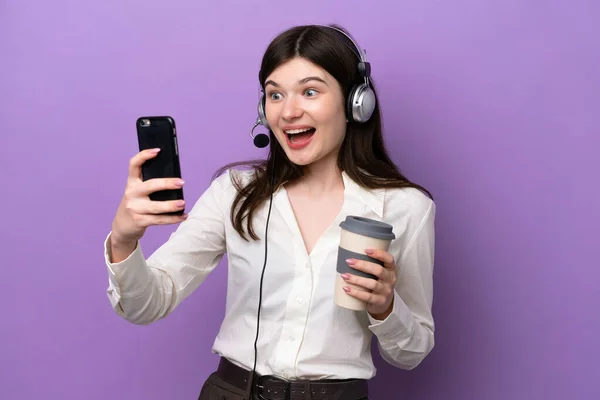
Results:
380 299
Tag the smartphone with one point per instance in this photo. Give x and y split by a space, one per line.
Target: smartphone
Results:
160 132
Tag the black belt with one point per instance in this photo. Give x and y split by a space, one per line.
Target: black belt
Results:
270 387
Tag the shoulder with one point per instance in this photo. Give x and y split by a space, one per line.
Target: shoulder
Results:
409 207
232 179
413 199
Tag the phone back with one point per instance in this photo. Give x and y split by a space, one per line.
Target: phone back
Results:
160 132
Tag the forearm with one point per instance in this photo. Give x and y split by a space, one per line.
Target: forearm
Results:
409 349
154 302
137 292
404 339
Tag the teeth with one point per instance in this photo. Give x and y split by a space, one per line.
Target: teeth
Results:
295 131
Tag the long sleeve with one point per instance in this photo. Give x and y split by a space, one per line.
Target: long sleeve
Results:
406 336
143 291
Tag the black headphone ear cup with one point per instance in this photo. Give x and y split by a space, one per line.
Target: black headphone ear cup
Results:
261 112
350 104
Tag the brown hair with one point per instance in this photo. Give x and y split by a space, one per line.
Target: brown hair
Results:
363 155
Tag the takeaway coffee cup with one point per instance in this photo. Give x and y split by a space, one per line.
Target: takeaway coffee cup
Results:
357 235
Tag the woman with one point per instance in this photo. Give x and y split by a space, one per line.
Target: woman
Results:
326 161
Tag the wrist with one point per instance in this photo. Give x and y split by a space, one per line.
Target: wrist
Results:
121 245
383 315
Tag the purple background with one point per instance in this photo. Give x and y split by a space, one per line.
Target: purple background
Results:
492 105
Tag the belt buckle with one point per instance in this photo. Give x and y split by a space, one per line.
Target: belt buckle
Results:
286 389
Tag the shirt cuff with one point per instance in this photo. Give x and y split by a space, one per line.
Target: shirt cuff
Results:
130 277
398 325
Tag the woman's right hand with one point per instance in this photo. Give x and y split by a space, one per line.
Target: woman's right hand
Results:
136 211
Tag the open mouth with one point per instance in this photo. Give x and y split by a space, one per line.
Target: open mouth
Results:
298 136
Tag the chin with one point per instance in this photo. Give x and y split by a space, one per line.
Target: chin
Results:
305 160
298 159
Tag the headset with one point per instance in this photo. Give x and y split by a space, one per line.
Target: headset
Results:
359 105
359 109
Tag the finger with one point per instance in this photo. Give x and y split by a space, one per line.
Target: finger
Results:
158 184
368 297
168 219
135 163
145 206
366 266
382 255
147 220
388 260
370 284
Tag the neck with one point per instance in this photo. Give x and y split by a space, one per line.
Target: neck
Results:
321 178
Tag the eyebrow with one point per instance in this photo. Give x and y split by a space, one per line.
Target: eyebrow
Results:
301 81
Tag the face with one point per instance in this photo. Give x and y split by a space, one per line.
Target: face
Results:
305 110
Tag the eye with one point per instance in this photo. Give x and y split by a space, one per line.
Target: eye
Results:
274 96
310 92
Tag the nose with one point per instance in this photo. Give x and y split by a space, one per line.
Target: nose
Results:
291 110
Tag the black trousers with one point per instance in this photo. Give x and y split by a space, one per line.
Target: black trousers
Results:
216 388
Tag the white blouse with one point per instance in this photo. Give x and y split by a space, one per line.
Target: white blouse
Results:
303 334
